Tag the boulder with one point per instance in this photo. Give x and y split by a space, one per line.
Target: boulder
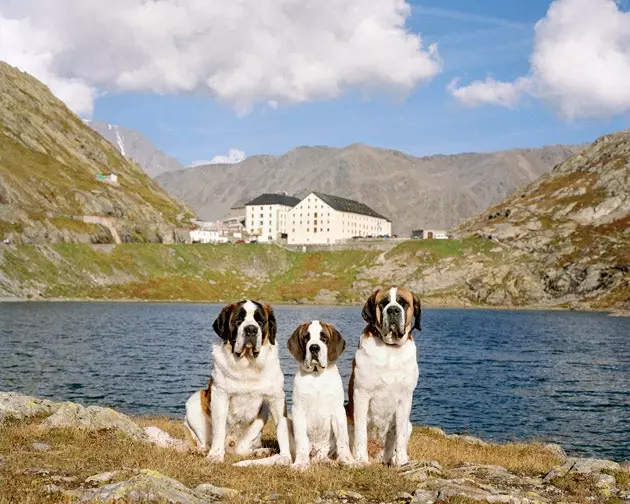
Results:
215 491
421 470
21 407
147 486
585 466
163 439
96 418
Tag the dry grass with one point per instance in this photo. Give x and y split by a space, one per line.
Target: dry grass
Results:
82 454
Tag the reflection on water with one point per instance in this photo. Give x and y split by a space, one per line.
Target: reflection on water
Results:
502 375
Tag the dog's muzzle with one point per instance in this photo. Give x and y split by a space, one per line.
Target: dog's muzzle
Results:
394 323
250 335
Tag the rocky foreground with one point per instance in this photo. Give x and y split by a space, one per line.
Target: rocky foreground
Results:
65 452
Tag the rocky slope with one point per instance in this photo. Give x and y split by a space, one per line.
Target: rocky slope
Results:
49 163
571 227
437 191
43 448
134 145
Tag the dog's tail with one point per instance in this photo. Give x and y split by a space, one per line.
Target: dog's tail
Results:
266 461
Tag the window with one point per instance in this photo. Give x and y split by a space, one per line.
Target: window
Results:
307 230
315 215
314 230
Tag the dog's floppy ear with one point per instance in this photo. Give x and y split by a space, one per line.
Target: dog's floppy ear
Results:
369 309
336 343
296 343
270 323
417 313
221 325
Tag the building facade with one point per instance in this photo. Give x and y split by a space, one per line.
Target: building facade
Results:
321 218
266 216
430 234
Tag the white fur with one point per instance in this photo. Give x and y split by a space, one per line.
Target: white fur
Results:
385 376
318 428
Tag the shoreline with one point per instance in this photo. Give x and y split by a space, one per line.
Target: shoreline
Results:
433 306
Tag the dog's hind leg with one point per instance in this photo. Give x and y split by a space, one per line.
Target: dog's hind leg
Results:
251 442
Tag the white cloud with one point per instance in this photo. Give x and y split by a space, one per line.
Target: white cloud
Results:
580 63
490 91
232 157
241 51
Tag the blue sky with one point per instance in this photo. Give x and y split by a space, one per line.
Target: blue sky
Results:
474 39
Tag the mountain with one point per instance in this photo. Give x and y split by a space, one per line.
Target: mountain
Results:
571 227
437 191
50 165
136 146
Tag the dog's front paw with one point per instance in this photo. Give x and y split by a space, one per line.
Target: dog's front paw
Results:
300 465
346 459
400 460
283 460
262 452
215 457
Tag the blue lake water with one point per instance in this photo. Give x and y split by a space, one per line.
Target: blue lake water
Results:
502 375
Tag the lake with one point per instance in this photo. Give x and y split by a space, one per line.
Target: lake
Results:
502 375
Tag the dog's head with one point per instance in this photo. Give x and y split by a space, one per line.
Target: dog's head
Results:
246 326
316 345
392 313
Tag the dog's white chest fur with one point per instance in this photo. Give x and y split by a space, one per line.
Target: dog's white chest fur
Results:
247 383
319 396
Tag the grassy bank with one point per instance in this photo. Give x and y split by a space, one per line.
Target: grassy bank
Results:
78 454
222 272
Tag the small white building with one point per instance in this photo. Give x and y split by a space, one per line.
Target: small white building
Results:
430 234
206 236
321 218
266 216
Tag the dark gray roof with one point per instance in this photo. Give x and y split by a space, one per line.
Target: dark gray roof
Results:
348 205
273 199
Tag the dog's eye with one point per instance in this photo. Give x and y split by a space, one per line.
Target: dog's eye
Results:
323 337
403 303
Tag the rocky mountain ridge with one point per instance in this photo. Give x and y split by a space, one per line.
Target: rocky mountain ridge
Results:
134 145
53 177
571 227
436 191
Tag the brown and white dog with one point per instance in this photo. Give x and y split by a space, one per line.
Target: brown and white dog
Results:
318 427
246 385
385 374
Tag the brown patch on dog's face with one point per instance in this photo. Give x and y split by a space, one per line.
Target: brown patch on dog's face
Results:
270 327
392 313
335 344
297 342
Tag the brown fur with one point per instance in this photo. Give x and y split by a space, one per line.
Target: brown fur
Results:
206 399
296 344
336 344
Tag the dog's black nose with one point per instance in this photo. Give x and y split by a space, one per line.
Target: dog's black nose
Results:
250 330
393 311
314 349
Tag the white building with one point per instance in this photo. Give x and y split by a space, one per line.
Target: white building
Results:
321 218
430 234
266 216
206 236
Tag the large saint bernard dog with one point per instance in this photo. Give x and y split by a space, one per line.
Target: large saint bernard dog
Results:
318 427
245 386
385 374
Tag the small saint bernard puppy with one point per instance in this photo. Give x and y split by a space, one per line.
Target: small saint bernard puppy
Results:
384 375
318 428
245 386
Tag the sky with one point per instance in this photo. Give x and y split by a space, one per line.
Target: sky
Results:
209 80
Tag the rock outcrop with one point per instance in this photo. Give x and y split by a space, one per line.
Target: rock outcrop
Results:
570 229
